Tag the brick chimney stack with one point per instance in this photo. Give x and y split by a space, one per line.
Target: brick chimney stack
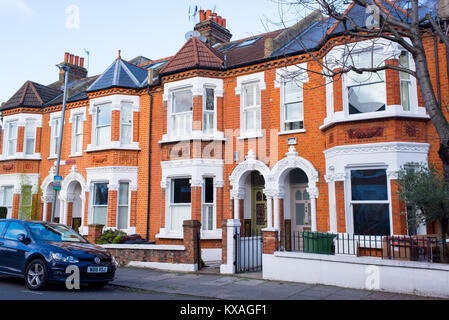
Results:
213 27
76 64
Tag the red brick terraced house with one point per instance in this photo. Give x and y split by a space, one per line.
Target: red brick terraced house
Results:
248 129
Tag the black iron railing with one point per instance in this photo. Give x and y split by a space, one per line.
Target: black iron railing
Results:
410 248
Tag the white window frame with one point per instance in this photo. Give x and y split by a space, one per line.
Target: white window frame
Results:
11 137
186 116
349 202
406 81
80 117
205 206
3 202
130 125
95 125
127 205
175 205
30 125
206 113
255 108
285 102
347 86
55 132
93 205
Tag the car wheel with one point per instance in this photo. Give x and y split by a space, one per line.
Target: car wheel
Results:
36 275
97 285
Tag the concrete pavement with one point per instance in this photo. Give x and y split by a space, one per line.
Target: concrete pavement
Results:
215 286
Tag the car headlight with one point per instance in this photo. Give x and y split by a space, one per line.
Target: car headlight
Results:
60 257
114 261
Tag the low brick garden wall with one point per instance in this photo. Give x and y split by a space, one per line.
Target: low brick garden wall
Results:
186 257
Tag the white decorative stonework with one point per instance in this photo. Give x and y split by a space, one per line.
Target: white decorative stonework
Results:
245 167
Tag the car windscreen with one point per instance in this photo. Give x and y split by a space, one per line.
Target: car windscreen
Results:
57 233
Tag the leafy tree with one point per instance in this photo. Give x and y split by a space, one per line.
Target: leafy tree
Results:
425 189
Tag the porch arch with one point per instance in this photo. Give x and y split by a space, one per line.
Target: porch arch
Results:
279 174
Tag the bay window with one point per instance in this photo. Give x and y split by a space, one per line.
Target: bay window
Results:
370 202
251 108
103 120
366 92
126 120
30 137
77 134
207 220
181 112
209 111
180 203
292 106
11 132
123 205
100 204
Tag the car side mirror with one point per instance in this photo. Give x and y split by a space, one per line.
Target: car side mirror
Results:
22 238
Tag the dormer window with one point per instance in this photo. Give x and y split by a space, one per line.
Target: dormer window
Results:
181 113
366 92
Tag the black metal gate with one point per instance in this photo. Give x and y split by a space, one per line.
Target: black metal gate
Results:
248 249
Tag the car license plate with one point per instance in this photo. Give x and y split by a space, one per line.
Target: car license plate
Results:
97 269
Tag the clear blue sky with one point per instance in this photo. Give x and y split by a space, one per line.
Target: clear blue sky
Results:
34 33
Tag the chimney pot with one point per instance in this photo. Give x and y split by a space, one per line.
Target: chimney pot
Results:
82 62
223 22
77 60
71 59
208 14
66 57
202 15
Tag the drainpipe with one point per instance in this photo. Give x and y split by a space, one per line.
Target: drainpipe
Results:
149 163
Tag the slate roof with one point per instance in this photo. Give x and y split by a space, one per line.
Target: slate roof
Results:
31 95
194 54
120 74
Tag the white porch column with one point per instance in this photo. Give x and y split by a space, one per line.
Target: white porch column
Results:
44 210
276 212
313 193
332 204
270 212
236 207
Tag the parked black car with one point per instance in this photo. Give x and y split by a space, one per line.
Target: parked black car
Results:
41 252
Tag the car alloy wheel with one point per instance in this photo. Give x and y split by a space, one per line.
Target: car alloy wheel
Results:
36 275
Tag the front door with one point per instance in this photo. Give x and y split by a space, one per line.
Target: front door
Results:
258 210
301 218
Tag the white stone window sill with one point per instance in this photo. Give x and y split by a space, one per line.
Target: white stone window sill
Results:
170 235
391 111
52 158
211 234
75 155
112 147
292 132
195 135
36 156
253 135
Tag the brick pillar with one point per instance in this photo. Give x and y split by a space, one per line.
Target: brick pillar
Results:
133 218
340 206
37 148
115 125
95 232
338 92
196 203
20 138
393 83
15 206
219 204
398 209
192 229
86 209
112 206
197 113
230 227
69 213
48 213
270 241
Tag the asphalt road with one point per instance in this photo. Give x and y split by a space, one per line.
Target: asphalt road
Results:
15 289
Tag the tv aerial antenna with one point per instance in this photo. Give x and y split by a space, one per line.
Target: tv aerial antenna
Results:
88 58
